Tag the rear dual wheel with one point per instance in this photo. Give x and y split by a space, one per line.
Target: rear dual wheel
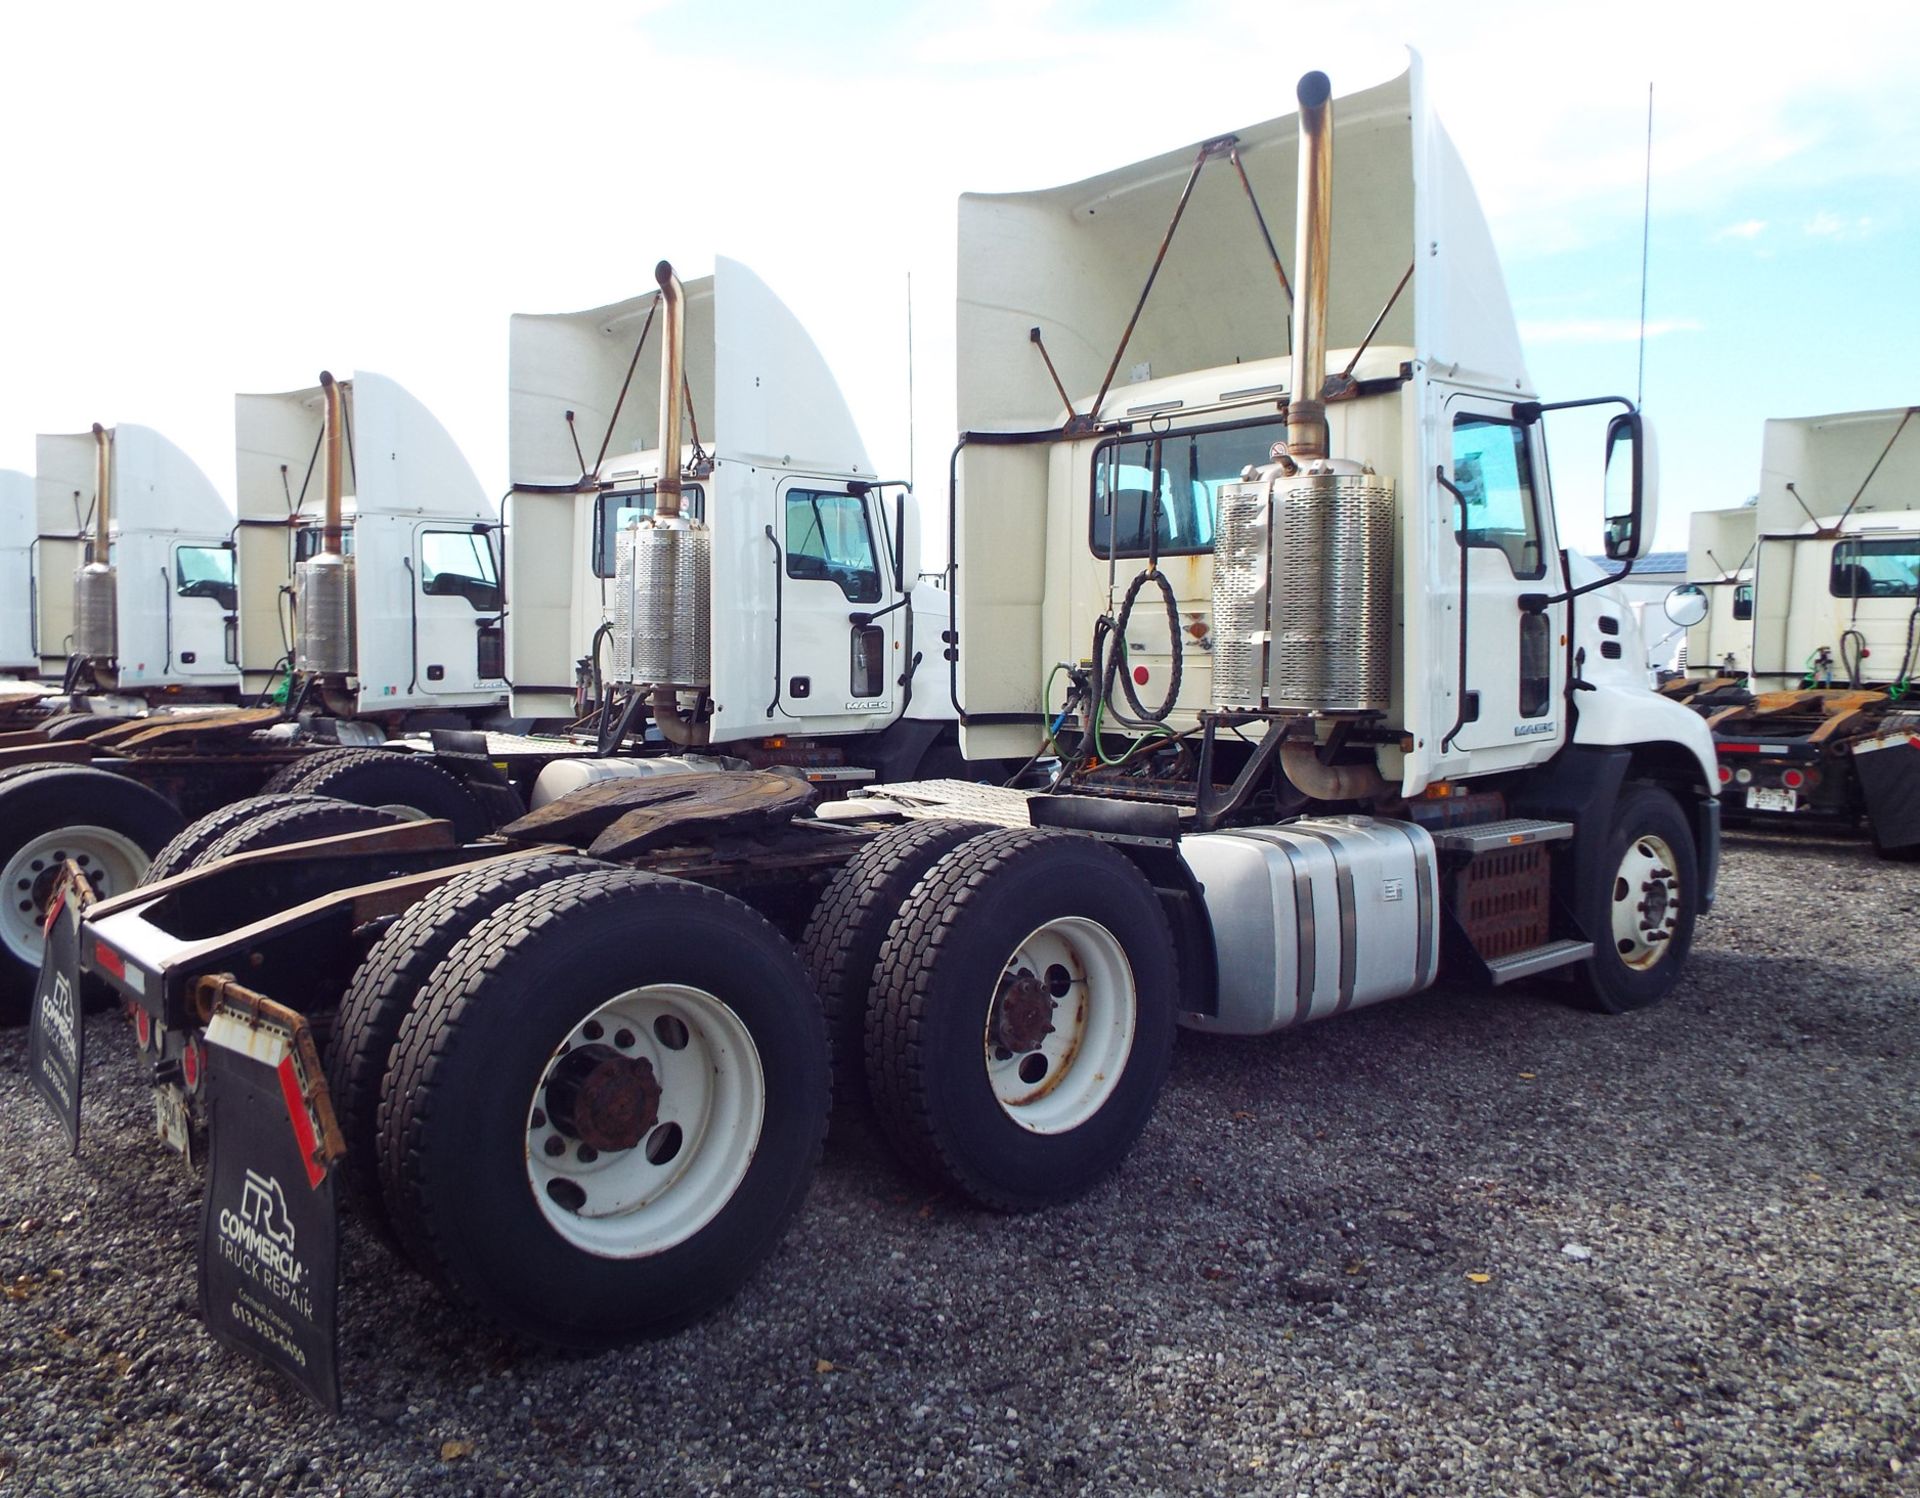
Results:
1022 1022
604 1108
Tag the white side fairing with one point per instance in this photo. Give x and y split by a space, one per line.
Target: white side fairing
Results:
168 531
17 531
1828 460
412 501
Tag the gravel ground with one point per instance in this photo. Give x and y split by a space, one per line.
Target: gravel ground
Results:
1467 1243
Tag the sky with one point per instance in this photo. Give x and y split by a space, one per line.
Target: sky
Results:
206 199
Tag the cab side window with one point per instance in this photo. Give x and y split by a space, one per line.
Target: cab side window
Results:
830 538
1494 475
459 564
205 572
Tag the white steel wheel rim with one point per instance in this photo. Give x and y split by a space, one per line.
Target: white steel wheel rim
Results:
1646 902
112 862
1060 1083
689 1162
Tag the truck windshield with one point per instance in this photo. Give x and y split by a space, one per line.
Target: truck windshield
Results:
1166 488
1876 569
614 512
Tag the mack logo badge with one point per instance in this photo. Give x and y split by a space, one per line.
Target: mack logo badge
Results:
1530 730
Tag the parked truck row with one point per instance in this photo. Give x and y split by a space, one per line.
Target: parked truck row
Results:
1807 637
1294 695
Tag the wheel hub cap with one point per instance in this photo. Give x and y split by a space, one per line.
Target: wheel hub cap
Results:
1024 1013
604 1099
1646 902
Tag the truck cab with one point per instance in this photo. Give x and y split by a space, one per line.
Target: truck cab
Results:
810 640
153 612
1484 655
17 655
428 602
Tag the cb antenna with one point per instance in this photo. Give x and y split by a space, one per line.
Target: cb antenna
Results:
912 473
1646 228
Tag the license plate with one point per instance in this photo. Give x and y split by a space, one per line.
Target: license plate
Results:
1771 798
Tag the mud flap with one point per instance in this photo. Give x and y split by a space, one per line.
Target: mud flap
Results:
56 1038
1888 767
269 1224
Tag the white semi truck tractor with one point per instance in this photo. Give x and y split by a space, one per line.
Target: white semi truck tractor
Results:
1824 729
771 469
1318 707
379 591
1720 547
135 584
18 658
357 599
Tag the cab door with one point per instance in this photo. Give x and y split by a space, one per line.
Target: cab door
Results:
839 637
456 622
1515 661
203 614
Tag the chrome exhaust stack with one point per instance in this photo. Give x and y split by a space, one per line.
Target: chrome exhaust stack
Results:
662 583
323 584
1313 250
1303 567
96 627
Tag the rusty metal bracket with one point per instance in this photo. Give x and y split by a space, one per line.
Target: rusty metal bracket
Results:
219 993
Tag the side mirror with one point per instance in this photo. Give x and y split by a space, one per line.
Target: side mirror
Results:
1628 502
1687 605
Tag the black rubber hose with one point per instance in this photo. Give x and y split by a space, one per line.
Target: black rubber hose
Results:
1160 713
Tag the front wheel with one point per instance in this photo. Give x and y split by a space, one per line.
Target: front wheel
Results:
1021 1025
1641 913
604 1108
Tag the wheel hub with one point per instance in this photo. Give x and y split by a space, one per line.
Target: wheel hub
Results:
1646 902
605 1100
1023 1016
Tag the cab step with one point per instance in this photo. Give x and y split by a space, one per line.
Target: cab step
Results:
1490 837
1541 959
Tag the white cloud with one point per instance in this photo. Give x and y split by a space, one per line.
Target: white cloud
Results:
1825 225
1750 228
1603 329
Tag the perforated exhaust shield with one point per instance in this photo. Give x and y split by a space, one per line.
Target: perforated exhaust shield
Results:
1241 557
661 603
1333 593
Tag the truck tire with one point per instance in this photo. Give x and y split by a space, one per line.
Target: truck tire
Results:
385 988
842 942
62 727
276 826
1641 918
404 783
111 826
185 850
982 1078
668 1021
